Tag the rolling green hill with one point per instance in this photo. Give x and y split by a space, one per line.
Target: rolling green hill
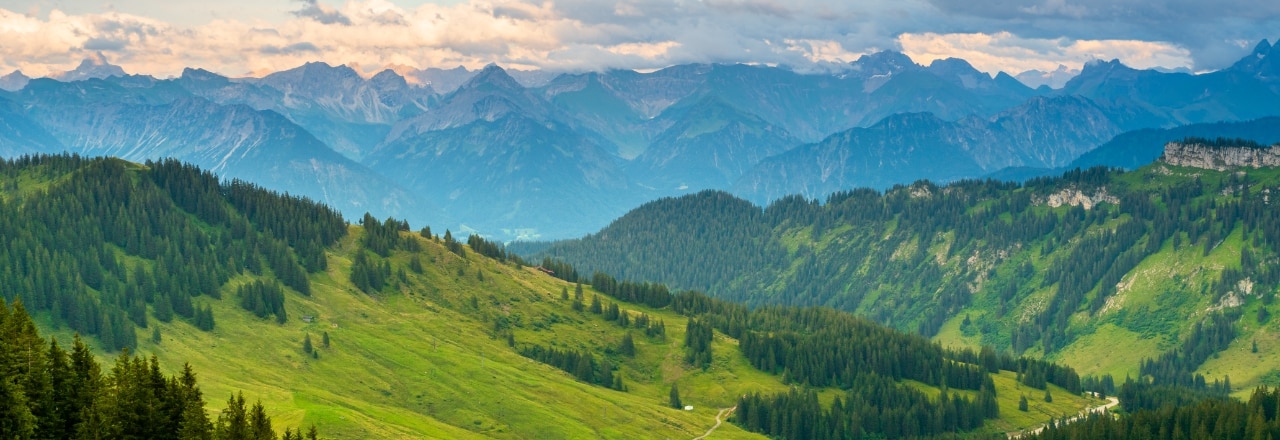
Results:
374 331
1097 269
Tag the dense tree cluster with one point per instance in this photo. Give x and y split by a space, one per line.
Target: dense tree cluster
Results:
370 274
874 406
1172 414
263 299
1178 366
98 242
383 237
581 364
697 343
47 392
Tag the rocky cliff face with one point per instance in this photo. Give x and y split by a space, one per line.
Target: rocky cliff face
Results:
1220 158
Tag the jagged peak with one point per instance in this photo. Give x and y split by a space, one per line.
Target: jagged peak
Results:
388 77
887 61
95 65
494 75
1101 67
951 64
200 74
1263 47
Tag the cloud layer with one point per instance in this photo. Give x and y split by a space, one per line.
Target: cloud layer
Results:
578 35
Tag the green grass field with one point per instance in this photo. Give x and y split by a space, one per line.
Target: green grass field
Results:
424 362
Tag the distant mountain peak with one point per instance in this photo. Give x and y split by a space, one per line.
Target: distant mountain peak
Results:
199 74
493 75
14 81
1263 48
1099 67
884 62
94 66
1259 62
1054 79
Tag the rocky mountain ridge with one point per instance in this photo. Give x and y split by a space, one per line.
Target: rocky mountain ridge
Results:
1220 158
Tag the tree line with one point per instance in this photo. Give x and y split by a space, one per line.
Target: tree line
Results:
48 392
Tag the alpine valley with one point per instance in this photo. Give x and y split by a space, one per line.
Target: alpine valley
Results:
528 155
887 250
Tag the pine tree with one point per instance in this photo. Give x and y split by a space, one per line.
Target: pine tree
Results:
260 424
564 293
1047 396
324 339
306 344
627 347
1022 404
595 305
233 422
674 400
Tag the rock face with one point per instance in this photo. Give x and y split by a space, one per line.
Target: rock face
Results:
1221 158
1075 197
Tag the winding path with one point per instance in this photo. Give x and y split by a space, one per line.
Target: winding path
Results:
1111 403
724 412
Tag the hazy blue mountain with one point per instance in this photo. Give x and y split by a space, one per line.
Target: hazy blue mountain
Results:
1138 148
19 135
557 155
911 146
494 154
1054 79
94 67
349 113
14 81
138 118
598 103
709 144
1151 99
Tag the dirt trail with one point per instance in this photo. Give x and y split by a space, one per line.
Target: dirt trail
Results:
724 413
1111 403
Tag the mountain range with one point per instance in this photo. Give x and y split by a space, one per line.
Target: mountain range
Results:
526 154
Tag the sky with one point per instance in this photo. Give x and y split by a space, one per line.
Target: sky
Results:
253 37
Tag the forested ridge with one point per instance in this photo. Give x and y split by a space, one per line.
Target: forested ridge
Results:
1027 267
97 242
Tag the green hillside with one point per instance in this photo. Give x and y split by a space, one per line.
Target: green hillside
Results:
1097 269
376 331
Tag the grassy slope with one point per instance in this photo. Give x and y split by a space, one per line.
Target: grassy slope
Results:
422 363
1156 305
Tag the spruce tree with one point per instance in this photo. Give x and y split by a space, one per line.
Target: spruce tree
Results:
595 304
306 344
1047 396
627 346
324 339
1022 404
674 400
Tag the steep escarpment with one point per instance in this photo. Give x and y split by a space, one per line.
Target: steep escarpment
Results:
1220 155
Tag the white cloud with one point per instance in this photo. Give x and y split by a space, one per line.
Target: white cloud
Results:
1003 51
557 34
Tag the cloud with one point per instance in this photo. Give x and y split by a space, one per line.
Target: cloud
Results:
1004 51
1209 30
578 35
322 13
295 48
97 44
